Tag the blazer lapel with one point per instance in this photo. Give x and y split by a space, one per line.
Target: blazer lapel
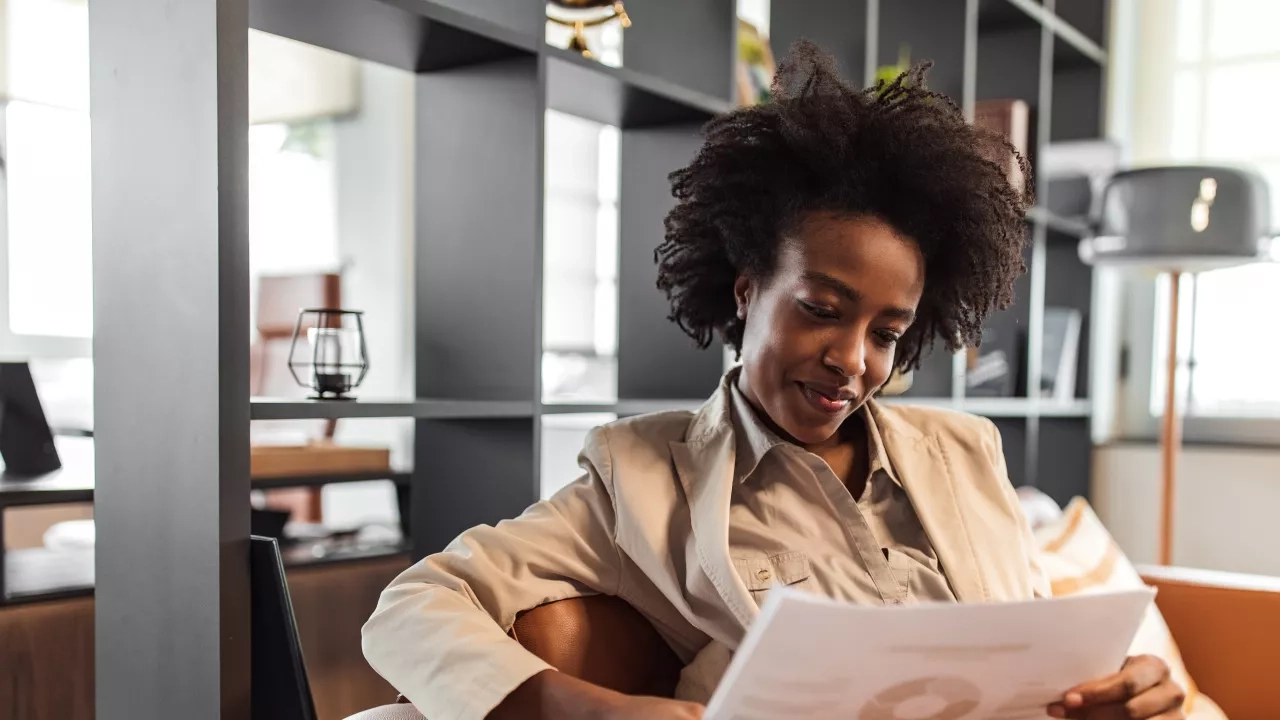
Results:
704 462
922 468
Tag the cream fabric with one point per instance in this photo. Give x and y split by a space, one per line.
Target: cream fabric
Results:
792 521
401 711
1080 557
649 522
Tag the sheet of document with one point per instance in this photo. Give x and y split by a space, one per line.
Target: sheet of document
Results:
810 658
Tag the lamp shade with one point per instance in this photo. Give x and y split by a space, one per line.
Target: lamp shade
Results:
1183 218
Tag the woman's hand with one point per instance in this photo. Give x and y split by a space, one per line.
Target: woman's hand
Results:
652 708
1142 689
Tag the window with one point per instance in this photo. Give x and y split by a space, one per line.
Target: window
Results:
46 269
1226 56
293 222
580 271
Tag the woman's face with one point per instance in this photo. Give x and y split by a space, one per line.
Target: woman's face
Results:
820 332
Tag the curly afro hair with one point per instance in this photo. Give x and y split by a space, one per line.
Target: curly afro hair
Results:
896 151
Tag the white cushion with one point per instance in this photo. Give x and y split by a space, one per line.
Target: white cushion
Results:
399 711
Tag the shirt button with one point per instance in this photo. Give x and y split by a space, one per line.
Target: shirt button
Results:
763 575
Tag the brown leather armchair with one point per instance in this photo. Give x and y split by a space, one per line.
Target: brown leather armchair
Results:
1227 626
603 640
598 638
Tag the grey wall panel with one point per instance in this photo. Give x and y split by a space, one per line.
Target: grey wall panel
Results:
1065 458
470 472
931 30
367 29
687 42
1009 65
1013 437
933 378
1077 103
479 220
523 16
655 359
1088 16
839 26
168 85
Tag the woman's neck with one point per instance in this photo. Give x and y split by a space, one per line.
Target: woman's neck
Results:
845 452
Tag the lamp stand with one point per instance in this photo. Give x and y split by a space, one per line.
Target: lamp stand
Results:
1171 430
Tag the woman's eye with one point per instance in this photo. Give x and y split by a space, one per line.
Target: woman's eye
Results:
818 311
886 338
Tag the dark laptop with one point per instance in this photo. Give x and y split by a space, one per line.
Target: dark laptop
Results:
26 442
280 689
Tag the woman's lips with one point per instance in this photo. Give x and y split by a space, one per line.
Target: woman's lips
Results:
824 402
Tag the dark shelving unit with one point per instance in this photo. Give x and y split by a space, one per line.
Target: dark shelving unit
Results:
481 99
169 154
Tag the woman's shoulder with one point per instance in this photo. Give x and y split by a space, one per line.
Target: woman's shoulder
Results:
940 424
648 434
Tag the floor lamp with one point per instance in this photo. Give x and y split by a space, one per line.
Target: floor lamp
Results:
1178 220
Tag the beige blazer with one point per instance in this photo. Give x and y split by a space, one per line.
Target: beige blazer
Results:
649 522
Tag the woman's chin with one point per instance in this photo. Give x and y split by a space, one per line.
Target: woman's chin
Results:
809 431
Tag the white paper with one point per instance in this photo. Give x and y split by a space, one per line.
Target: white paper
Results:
813 658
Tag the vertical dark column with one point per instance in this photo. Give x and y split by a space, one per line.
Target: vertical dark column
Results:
479 224
931 30
1013 437
171 348
1065 458
688 42
478 294
839 26
655 359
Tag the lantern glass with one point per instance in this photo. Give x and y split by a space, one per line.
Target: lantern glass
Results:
333 359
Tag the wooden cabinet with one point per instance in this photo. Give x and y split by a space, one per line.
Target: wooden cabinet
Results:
46 648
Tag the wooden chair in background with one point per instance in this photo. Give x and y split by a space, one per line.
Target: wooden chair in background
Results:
279 300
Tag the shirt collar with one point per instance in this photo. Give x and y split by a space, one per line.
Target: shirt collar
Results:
754 438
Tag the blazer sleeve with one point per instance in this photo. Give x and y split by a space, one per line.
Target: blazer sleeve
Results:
1039 580
439 633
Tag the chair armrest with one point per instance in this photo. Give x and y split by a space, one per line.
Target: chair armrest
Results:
1227 627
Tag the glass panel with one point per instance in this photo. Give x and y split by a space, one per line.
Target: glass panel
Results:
1190 37
1243 27
50 225
1241 111
48 52
580 261
755 12
562 440
1234 363
1187 116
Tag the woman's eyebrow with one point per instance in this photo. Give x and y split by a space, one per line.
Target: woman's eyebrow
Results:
851 294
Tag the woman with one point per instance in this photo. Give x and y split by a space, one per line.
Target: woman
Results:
830 237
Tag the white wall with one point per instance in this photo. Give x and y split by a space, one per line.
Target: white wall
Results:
1227 514
375 244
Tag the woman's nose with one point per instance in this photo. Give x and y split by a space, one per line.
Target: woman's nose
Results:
848 356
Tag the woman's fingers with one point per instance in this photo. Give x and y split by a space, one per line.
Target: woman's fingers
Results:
1138 675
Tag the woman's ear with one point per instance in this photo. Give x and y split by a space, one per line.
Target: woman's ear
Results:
742 294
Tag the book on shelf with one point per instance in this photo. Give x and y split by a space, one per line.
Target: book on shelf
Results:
1010 118
991 368
1061 349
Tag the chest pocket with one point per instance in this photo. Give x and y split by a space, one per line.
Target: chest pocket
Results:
760 573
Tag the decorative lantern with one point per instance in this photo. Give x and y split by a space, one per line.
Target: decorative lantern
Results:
339 359
582 14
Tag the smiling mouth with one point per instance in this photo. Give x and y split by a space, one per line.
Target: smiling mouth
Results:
825 400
